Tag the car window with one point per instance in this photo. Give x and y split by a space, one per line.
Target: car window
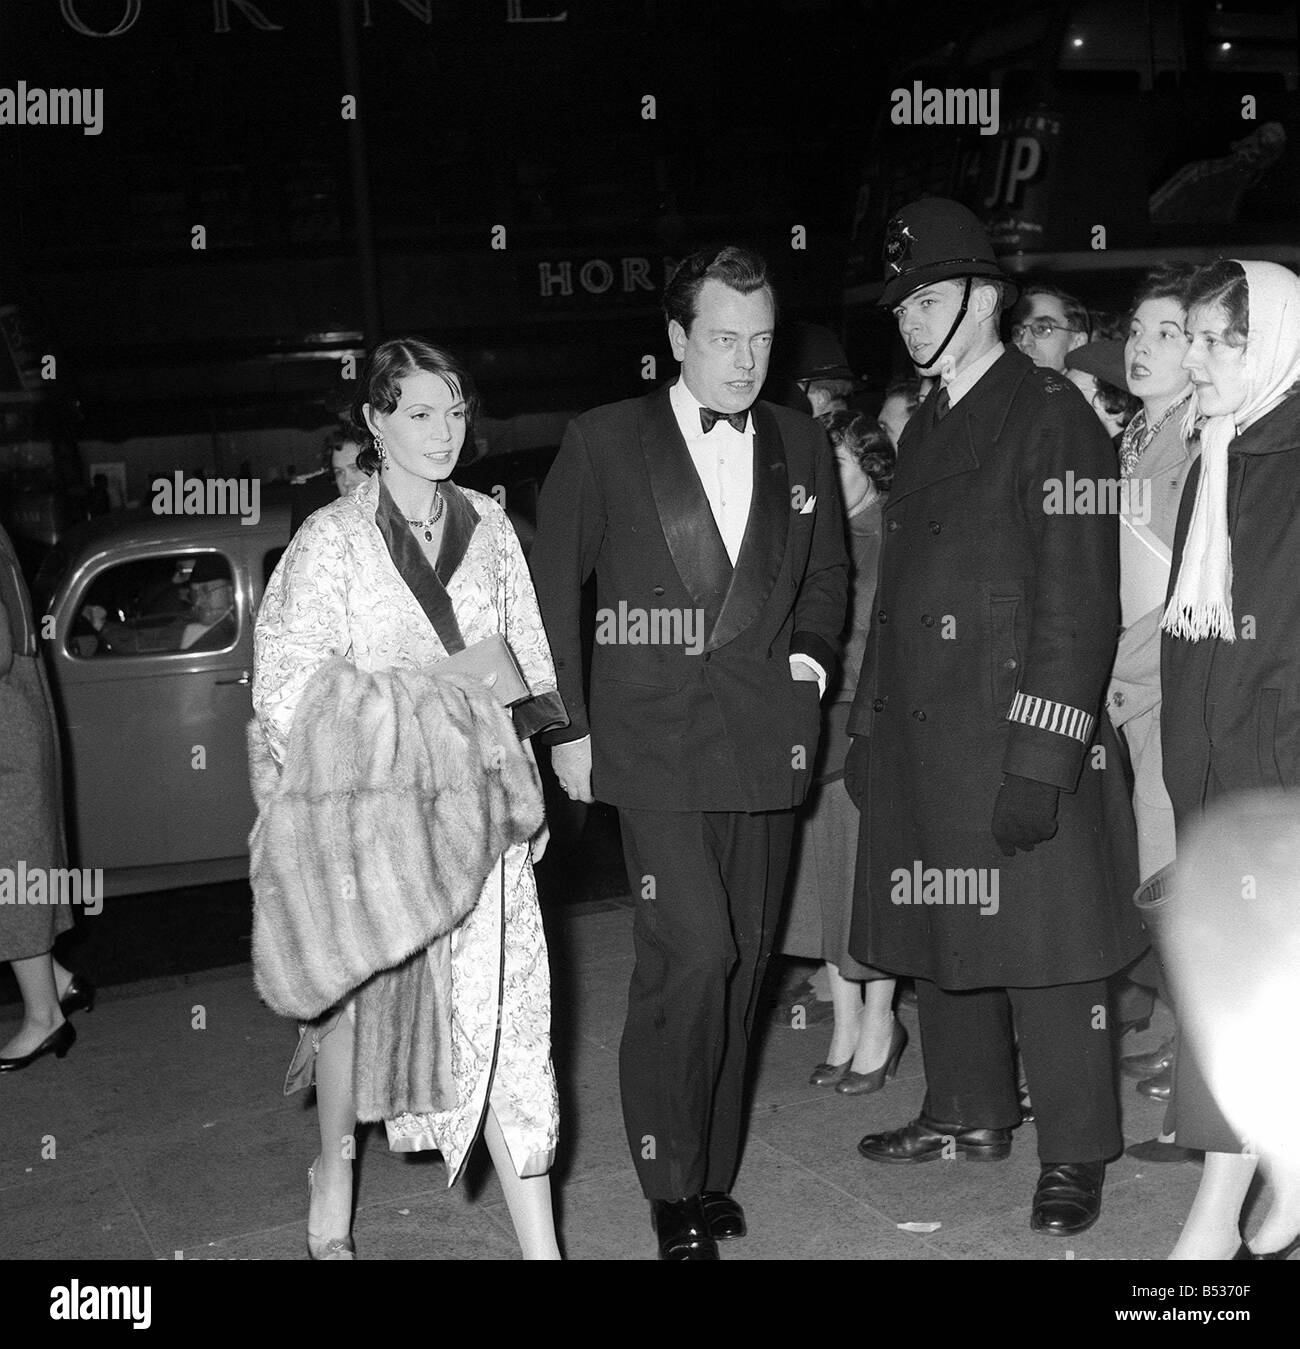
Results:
156 606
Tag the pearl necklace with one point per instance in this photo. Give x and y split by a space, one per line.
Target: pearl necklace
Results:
427 525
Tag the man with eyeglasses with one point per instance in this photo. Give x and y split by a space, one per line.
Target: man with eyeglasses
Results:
1047 324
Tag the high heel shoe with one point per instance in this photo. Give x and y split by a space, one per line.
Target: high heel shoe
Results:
1245 1253
80 996
828 1074
57 1044
320 1248
863 1084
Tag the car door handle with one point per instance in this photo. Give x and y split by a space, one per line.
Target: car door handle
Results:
243 679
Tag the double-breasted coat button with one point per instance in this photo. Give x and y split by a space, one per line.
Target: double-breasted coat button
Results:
927 620
881 616
1010 663
935 527
878 705
919 715
891 525
659 590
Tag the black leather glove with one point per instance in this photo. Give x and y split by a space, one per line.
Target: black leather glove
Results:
1024 814
855 770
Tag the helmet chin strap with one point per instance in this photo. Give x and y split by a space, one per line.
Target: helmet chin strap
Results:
952 332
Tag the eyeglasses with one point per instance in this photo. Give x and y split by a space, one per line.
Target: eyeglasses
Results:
1040 328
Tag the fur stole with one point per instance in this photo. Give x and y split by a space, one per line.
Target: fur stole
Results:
400 791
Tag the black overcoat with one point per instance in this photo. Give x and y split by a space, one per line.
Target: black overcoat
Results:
725 726
1230 721
995 627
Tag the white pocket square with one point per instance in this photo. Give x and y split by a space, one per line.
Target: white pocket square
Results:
808 506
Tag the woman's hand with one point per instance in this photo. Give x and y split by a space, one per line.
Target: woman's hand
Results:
537 844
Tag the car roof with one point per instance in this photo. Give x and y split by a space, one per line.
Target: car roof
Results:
141 526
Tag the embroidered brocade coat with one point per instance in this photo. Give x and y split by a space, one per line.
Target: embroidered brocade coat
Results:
347 585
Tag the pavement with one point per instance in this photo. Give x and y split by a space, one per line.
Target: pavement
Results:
164 1133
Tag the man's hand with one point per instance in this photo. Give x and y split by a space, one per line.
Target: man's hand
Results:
1024 814
572 764
855 770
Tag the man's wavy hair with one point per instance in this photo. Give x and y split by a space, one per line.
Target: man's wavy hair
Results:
739 268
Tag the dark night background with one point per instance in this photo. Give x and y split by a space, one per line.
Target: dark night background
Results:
478 114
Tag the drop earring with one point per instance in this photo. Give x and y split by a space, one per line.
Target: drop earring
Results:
380 449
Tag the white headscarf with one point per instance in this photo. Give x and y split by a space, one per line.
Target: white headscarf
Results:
1201 605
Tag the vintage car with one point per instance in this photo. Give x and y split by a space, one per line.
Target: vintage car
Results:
149 639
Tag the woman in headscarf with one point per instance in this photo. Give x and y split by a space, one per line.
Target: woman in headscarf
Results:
1230 668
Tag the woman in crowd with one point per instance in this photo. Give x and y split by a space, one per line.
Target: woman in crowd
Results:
1230 658
31 832
388 576
1097 371
902 398
867 1041
1154 457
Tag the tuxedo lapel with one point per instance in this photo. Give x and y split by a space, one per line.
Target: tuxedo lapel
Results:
763 546
690 530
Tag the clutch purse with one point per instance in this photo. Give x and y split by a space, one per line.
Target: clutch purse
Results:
491 656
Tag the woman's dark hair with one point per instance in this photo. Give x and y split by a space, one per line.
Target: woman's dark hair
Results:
1117 402
740 268
1166 282
381 386
865 441
1222 283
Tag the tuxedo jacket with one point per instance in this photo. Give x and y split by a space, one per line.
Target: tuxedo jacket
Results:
692 704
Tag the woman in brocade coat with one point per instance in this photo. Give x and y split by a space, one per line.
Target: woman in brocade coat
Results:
384 577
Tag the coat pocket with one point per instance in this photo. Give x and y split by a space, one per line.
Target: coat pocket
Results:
1270 774
1004 653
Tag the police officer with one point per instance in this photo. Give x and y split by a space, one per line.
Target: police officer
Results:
995 860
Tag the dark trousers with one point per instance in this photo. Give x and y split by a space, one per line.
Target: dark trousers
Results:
708 889
1066 1042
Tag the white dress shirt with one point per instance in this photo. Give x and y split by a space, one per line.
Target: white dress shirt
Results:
724 460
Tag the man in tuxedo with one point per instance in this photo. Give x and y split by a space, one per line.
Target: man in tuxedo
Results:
997 856
712 524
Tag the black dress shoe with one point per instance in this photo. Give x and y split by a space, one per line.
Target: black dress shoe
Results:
1159 1087
1147 1065
725 1217
1068 1197
924 1140
80 996
682 1229
57 1044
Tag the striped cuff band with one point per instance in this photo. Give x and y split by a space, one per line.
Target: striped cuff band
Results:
1049 716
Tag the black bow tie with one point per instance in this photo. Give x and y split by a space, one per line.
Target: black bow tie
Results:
709 419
